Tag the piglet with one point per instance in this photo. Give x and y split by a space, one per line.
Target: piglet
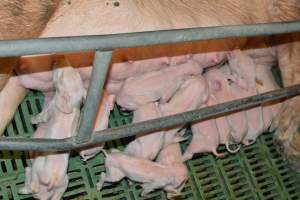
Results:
148 145
155 86
101 123
265 82
206 138
191 94
47 177
152 175
238 120
223 128
121 71
171 155
244 71
232 127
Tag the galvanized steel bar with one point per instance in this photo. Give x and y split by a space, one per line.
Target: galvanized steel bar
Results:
110 42
29 144
94 95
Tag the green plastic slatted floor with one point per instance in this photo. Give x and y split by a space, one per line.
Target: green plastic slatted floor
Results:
257 172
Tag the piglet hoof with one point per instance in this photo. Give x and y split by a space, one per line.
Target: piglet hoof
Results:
34 120
172 196
144 193
35 188
37 119
130 182
178 139
24 190
187 156
173 193
218 155
86 157
248 142
99 185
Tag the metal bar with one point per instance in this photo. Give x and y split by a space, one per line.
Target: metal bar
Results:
94 95
29 144
125 40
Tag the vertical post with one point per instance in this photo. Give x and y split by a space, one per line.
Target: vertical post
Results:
94 95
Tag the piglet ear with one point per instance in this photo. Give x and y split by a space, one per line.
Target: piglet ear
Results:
63 103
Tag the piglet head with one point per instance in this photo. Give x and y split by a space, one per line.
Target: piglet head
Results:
242 66
215 81
70 92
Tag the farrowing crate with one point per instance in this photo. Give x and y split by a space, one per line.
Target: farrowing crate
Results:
257 172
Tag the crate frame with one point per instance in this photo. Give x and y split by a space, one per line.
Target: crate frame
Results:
104 45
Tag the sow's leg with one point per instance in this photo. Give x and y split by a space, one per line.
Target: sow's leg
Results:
19 19
286 123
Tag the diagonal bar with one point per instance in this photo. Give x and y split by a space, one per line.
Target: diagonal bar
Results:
30 144
94 95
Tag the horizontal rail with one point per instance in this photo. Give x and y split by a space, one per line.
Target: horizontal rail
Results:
30 144
125 40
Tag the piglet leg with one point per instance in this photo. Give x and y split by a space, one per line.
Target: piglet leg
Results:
172 192
90 153
26 189
42 117
35 186
111 176
147 188
43 194
39 118
60 189
101 181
